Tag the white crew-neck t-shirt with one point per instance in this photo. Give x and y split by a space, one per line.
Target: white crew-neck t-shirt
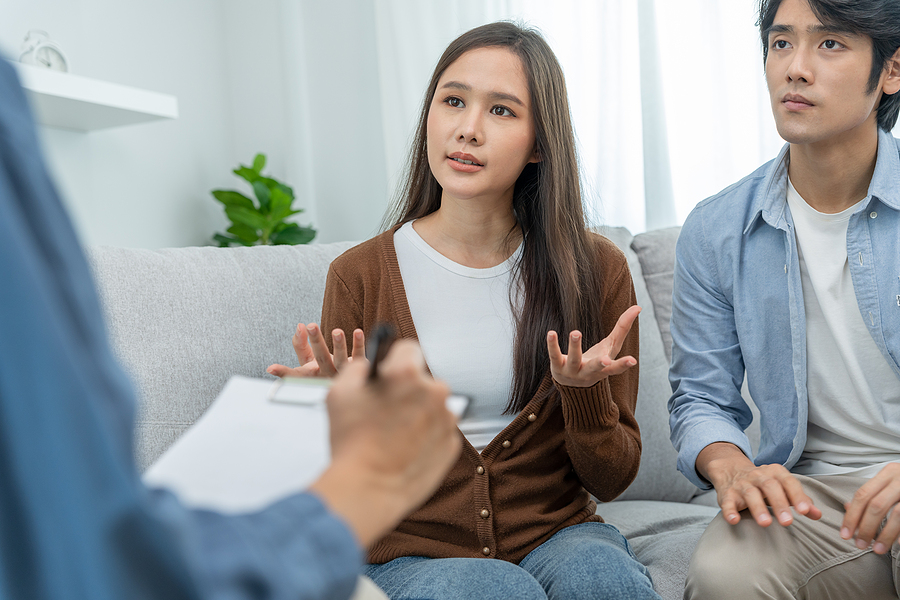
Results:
466 328
854 395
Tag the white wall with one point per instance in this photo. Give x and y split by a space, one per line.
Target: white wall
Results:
333 88
148 185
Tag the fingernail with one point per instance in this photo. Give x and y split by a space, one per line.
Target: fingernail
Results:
732 517
879 548
845 533
576 336
338 336
270 371
631 363
861 544
803 507
784 517
311 328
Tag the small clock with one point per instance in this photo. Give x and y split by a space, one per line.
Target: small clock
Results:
39 50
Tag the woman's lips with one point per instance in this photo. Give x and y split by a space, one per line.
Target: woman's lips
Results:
465 163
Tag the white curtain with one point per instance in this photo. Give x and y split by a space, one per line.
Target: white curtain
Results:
668 98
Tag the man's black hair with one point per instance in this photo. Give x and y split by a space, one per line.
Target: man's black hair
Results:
878 20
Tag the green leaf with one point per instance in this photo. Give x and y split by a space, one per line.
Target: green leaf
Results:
244 216
263 194
280 206
259 162
232 198
294 235
247 235
274 183
247 173
287 190
224 240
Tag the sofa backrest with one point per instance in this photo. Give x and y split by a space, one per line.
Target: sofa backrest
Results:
657 478
183 320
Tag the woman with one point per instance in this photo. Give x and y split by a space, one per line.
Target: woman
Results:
487 258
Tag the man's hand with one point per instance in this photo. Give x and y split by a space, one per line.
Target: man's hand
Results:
741 484
868 508
312 352
392 442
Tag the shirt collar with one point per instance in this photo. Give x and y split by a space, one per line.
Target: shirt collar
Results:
770 198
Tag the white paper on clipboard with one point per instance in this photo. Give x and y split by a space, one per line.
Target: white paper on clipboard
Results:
245 451
259 441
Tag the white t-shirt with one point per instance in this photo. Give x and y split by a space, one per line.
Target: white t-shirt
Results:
854 395
466 328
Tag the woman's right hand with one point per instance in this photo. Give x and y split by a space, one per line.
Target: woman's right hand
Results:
312 352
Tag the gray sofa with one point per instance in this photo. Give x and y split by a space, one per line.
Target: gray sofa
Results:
184 320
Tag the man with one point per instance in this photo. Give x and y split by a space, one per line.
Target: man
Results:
75 520
794 275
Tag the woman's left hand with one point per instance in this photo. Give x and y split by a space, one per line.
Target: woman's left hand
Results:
599 362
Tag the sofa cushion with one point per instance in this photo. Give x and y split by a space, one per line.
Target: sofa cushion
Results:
657 479
662 536
656 252
238 307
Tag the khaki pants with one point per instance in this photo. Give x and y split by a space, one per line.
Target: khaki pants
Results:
807 560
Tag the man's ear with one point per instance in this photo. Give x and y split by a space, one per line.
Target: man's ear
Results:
891 83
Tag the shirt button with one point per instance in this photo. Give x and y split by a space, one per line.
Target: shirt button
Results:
486 551
485 513
480 470
532 417
873 214
507 444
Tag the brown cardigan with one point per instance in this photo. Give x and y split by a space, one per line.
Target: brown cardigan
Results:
534 478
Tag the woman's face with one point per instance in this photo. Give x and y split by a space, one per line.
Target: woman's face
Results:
480 130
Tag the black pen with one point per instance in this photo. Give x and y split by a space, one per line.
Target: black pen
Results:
377 346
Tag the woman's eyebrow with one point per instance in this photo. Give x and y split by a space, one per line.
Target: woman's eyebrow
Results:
458 85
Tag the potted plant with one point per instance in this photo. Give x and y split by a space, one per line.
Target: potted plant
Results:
262 221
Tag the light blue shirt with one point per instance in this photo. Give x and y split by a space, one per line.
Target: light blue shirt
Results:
75 520
738 304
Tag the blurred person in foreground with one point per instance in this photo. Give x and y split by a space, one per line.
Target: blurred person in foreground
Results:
75 519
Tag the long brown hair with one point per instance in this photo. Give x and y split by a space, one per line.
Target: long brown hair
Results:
556 275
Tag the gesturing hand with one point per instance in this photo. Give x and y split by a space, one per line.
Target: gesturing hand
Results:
599 362
869 506
312 352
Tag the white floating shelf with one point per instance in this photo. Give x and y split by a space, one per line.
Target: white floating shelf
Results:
83 104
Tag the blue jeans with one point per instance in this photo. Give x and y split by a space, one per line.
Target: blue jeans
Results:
586 561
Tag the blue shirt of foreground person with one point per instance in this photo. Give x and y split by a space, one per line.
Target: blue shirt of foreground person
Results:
75 519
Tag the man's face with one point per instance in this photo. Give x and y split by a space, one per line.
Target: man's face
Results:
817 77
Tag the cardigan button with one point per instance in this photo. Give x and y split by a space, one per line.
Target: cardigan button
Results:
485 513
532 417
480 470
486 551
507 444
